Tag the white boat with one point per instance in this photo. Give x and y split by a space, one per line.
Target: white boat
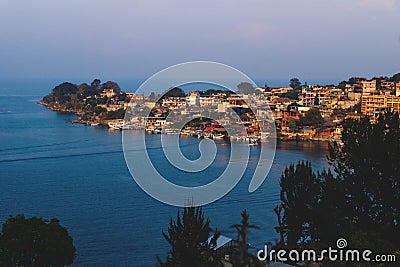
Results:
171 131
218 136
116 125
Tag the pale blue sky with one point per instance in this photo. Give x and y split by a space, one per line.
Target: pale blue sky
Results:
314 40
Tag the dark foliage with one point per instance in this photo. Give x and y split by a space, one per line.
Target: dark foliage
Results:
313 118
35 242
243 258
111 85
360 202
295 83
245 88
367 163
188 237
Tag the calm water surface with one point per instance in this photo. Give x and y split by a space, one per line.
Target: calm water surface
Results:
52 168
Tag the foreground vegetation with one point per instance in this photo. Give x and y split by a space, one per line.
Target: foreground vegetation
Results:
35 242
358 201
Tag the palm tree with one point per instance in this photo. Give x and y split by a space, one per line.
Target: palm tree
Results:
242 230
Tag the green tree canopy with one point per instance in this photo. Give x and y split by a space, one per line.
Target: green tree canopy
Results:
35 242
111 85
312 118
116 114
245 88
61 93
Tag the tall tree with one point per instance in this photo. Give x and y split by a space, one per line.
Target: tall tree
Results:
244 258
188 237
342 85
367 163
96 84
111 85
245 88
35 242
295 83
299 195
395 78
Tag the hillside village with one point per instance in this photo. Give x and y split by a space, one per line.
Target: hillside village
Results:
300 112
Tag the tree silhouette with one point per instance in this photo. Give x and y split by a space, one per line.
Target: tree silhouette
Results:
188 237
244 258
295 83
367 164
300 191
360 202
35 242
245 88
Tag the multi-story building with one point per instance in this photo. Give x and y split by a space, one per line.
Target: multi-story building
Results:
193 99
315 96
393 102
209 101
369 86
390 86
397 89
374 104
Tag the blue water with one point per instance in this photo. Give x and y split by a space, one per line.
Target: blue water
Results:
52 168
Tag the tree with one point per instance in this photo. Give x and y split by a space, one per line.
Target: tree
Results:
292 124
360 202
244 258
295 83
353 80
61 93
245 88
96 84
342 85
313 118
299 191
312 207
152 96
395 78
367 163
292 94
35 242
173 92
188 237
280 229
98 110
116 114
111 85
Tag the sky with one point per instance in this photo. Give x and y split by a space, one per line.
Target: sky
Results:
271 40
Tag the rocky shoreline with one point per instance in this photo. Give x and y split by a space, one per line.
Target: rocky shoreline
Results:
78 120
